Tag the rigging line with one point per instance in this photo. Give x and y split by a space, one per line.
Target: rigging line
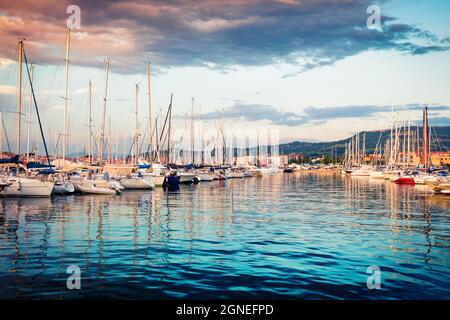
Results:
37 110
6 135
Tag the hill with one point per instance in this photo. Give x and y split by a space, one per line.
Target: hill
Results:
440 142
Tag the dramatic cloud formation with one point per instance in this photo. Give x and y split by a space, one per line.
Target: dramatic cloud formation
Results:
209 33
312 115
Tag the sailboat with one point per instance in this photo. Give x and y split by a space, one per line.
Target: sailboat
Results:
18 185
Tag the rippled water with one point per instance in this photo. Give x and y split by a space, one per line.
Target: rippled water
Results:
300 235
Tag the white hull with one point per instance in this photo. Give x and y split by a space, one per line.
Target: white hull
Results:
137 183
205 177
234 175
157 180
26 187
360 173
91 188
186 178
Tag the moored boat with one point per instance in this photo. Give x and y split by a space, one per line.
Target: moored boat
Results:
63 188
12 186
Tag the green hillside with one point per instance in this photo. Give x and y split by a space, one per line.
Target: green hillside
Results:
442 143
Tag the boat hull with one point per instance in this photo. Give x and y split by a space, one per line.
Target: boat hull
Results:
137 183
63 189
25 187
92 189
405 180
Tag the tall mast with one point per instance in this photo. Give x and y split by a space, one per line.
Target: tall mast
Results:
425 138
19 96
102 129
136 133
157 137
391 146
150 129
109 138
418 140
65 140
192 132
170 128
29 114
90 122
409 142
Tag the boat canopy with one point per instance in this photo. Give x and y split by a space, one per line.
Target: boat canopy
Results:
14 159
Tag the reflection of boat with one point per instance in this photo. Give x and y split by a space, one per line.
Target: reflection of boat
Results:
63 188
25 187
374 174
442 186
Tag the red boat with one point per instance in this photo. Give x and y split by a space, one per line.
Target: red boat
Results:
405 180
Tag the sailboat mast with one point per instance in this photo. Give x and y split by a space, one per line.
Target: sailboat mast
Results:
109 138
150 129
136 133
409 142
170 128
66 82
192 132
19 96
90 121
102 129
425 138
29 114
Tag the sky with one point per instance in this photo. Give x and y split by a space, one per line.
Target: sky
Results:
311 69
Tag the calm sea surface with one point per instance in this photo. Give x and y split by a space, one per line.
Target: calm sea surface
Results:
300 235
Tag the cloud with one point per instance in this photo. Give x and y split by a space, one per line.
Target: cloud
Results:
308 34
311 115
257 112
439 121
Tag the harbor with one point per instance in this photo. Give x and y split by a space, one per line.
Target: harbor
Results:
175 152
302 234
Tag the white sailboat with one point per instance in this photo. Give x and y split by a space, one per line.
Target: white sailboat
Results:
19 186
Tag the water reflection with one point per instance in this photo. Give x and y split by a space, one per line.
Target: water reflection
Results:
290 235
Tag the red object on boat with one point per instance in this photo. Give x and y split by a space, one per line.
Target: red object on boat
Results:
405 180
